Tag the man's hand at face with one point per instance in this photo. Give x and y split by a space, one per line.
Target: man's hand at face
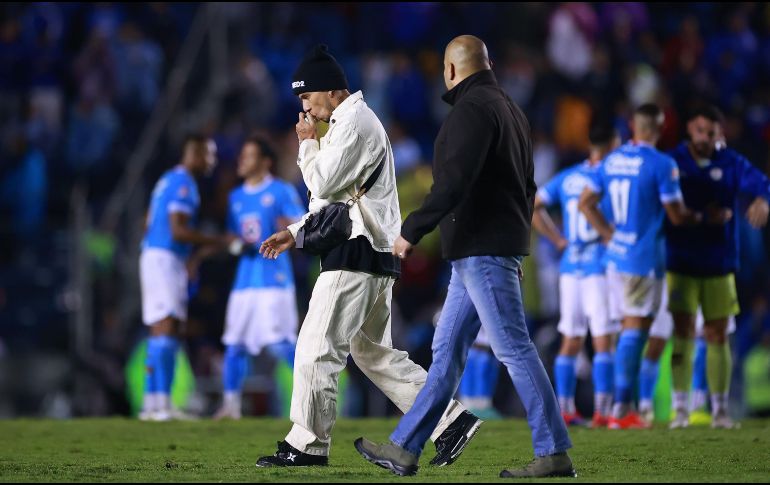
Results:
306 130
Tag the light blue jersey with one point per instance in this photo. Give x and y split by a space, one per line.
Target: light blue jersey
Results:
584 254
176 191
253 215
639 180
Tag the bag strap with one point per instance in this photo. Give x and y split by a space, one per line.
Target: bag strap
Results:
368 184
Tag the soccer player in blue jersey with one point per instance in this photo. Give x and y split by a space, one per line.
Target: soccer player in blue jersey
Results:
262 309
643 187
168 240
702 260
582 284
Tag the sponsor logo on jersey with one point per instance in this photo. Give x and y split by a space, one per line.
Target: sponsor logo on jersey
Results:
251 228
575 183
619 164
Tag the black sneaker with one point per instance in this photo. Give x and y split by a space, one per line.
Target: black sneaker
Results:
455 438
287 455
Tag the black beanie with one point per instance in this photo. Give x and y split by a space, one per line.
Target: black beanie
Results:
318 71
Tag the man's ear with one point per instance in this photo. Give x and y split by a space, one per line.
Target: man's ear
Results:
452 72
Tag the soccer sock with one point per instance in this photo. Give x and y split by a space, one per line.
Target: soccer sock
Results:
466 383
679 401
627 358
699 381
150 388
681 364
487 370
165 368
284 351
564 373
234 370
718 403
719 366
648 376
602 374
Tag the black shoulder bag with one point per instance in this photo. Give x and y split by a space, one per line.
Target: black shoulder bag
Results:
331 226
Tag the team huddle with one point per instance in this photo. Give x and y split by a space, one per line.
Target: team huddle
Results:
650 249
647 237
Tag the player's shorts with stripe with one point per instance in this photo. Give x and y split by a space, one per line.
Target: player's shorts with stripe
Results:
633 295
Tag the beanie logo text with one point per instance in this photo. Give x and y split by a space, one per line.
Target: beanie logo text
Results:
297 84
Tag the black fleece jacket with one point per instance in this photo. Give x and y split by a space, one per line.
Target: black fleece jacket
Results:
483 175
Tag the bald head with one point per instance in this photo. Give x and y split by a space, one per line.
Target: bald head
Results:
465 55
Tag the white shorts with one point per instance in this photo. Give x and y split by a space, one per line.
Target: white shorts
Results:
633 295
482 339
258 317
583 304
663 325
163 278
699 322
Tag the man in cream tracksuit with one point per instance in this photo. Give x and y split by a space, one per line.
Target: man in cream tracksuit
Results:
349 310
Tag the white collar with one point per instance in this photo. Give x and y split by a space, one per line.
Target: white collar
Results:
253 189
345 105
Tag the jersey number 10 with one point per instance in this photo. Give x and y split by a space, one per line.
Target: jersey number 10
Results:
578 227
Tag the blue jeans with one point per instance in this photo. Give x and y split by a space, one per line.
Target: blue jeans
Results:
485 290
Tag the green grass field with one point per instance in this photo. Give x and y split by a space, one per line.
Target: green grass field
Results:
124 450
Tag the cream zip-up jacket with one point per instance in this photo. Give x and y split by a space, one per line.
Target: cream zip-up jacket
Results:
336 169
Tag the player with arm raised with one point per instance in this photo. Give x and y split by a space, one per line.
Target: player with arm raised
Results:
702 260
643 186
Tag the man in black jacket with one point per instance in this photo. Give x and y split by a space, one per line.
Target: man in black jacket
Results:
482 199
